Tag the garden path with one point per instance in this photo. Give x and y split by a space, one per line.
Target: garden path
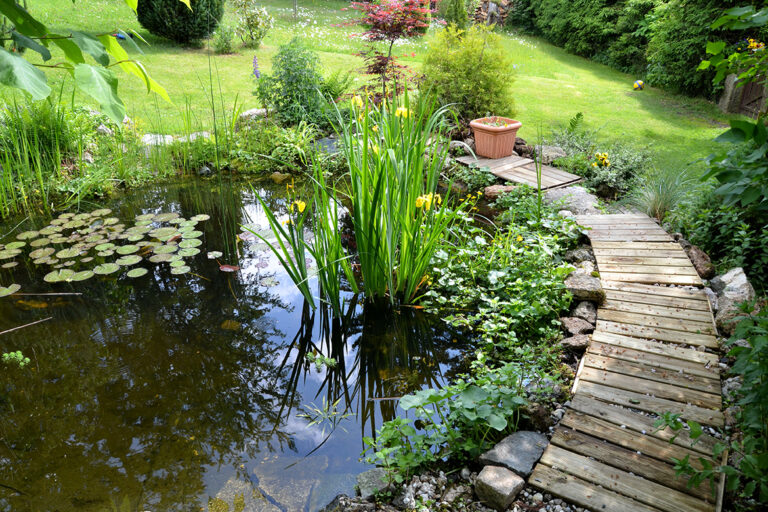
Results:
650 353
522 170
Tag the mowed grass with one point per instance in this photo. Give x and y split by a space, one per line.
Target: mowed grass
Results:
550 85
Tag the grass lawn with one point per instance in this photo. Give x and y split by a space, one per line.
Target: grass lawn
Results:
550 85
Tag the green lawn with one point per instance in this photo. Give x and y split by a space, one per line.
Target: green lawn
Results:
550 85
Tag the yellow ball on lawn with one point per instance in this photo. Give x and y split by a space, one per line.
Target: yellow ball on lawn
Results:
638 85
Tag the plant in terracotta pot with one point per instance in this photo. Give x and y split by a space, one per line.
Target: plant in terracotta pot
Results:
495 136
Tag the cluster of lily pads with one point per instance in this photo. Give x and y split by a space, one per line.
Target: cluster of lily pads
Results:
72 241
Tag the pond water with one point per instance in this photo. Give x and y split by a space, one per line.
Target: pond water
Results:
165 391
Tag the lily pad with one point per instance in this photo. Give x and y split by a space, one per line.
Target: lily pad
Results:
59 275
139 229
105 254
165 217
160 258
40 242
10 264
177 263
143 222
94 238
7 254
135 238
128 260
67 215
192 242
82 216
27 235
177 220
101 212
106 268
68 263
82 276
201 217
127 249
105 246
180 270
192 234
42 253
137 272
15 245
188 223
87 259
8 290
146 216
189 251
68 253
215 254
165 249
110 221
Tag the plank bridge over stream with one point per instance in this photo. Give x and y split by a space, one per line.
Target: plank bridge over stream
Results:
649 354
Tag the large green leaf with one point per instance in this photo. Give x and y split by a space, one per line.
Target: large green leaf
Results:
133 4
101 84
22 21
23 41
17 72
130 66
72 52
91 46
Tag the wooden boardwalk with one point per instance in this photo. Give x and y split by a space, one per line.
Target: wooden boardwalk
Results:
522 170
648 354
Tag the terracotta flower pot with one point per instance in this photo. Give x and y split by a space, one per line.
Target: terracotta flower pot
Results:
495 136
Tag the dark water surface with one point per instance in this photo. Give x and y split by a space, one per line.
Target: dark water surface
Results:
162 392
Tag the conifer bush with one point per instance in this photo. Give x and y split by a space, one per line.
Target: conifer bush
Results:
175 21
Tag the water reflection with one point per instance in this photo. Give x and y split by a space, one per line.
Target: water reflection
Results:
162 392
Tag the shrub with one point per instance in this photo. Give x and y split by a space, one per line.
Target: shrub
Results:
336 85
659 191
470 71
292 91
223 40
175 21
253 22
475 178
267 146
455 12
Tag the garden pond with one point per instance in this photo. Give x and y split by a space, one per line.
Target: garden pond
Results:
202 383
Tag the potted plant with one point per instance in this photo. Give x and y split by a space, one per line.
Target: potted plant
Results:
495 136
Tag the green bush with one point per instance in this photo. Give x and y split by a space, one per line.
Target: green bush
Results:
223 40
267 146
253 22
475 178
469 69
455 12
292 92
175 21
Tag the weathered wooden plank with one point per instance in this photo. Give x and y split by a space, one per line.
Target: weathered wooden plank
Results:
637 369
554 171
527 169
629 485
614 230
638 383
691 293
613 217
650 404
627 460
583 493
635 431
652 278
662 322
661 362
596 237
655 347
521 176
622 244
627 268
509 162
656 333
697 315
487 162
641 253
661 300
642 260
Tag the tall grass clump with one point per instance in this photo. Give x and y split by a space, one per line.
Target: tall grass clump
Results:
659 191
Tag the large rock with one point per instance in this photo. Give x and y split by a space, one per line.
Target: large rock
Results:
574 199
576 343
497 487
549 154
585 287
238 493
371 482
574 326
586 311
732 288
493 192
156 139
518 452
701 262
250 116
580 254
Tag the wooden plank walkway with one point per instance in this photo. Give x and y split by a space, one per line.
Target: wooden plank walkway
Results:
522 170
648 355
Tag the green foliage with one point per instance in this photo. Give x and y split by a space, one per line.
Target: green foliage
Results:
659 191
15 359
748 476
475 178
455 12
470 71
292 91
223 40
457 422
178 22
336 85
267 146
253 22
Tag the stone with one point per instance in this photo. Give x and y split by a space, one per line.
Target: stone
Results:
538 497
585 267
585 287
730 387
565 213
279 177
586 311
88 157
493 192
235 490
538 416
712 296
370 482
701 262
194 136
470 142
456 492
576 343
104 130
549 154
580 254
465 474
732 289
493 15
518 452
731 415
558 414
574 326
205 170
574 199
250 117
343 503
497 487
459 147
156 139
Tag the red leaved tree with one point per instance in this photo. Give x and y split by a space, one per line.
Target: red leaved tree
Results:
387 22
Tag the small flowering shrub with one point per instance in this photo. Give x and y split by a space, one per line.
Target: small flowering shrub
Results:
253 22
470 70
223 40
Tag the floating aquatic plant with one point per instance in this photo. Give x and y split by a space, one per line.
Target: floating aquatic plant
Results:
8 290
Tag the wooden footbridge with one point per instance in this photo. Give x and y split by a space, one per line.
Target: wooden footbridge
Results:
652 351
